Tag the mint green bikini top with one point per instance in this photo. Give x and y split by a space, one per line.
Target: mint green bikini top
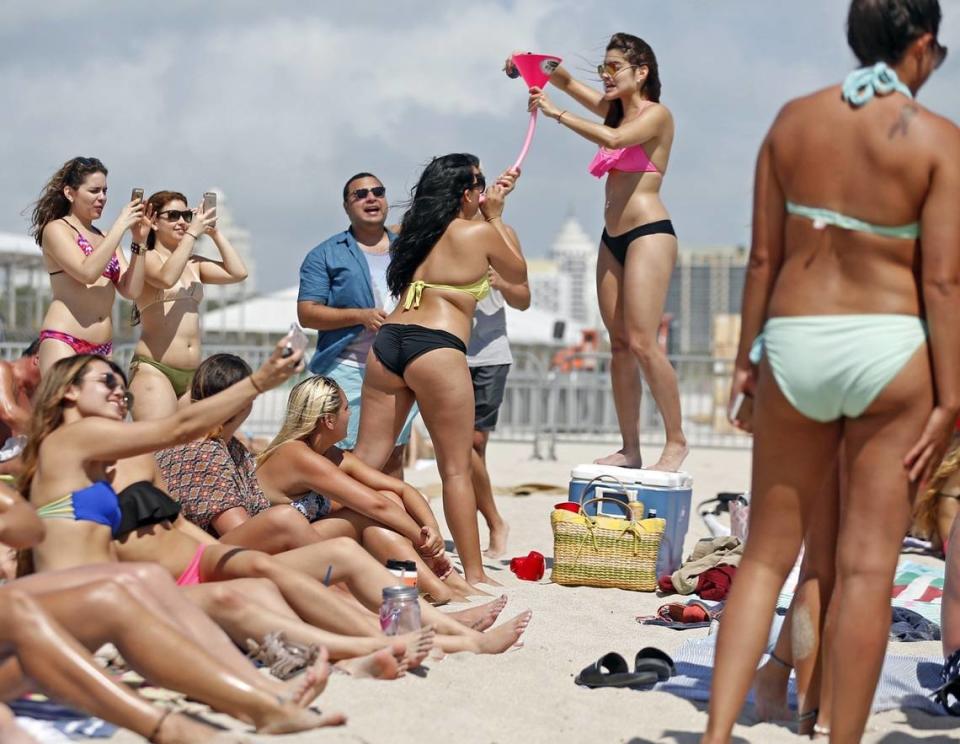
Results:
858 88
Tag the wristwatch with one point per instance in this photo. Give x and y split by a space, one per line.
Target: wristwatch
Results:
136 249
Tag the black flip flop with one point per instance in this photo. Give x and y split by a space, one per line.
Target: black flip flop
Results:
611 670
653 660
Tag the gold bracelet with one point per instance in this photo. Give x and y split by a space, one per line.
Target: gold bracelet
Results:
560 116
498 217
260 390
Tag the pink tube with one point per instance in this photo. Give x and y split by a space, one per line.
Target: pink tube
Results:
531 128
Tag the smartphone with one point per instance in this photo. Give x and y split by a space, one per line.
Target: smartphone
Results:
742 409
295 340
136 195
209 201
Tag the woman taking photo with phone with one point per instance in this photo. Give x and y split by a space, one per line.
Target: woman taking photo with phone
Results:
439 269
86 267
639 246
168 308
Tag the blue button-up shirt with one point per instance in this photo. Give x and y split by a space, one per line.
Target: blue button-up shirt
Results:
336 274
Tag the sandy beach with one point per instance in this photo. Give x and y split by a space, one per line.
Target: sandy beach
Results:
528 695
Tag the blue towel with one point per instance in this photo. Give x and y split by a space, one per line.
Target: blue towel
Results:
68 721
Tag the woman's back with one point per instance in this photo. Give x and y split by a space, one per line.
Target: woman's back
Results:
872 163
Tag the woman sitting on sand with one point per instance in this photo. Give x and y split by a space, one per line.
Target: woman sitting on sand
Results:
213 479
169 306
73 415
303 467
439 265
53 622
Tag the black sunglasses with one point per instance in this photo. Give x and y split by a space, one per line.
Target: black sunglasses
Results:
111 381
479 183
174 215
939 52
377 191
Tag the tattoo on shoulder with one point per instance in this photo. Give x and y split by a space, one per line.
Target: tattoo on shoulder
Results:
902 124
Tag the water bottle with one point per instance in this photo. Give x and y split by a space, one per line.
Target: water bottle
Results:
405 571
400 610
652 514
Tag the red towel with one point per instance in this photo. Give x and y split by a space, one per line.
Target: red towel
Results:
529 567
666 584
714 583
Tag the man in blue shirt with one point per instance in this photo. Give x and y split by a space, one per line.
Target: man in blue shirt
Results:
344 296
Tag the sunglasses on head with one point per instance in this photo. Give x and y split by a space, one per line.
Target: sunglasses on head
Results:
174 215
111 381
361 194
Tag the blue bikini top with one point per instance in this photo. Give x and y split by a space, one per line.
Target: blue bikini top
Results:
95 503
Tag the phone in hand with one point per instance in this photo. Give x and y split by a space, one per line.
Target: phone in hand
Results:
209 201
295 340
136 195
742 409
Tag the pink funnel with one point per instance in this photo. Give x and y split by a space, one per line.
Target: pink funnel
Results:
535 69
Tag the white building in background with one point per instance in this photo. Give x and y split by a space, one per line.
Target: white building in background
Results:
565 282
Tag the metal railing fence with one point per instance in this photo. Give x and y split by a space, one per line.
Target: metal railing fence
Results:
545 406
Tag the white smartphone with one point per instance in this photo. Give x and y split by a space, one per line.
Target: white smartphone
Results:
742 409
295 340
209 201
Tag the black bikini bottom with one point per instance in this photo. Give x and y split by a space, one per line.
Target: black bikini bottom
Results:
618 244
143 504
397 345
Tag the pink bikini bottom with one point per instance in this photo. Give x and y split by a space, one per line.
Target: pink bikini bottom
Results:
191 574
78 344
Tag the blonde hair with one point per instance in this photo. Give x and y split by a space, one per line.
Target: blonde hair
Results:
47 414
925 509
310 401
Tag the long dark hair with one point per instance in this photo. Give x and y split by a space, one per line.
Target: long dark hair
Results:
434 202
881 30
52 204
639 53
216 373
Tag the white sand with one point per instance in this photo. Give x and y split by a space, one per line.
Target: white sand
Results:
528 695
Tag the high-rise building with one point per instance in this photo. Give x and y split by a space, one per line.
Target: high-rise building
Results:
564 283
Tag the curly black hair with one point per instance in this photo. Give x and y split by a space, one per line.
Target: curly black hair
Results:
434 203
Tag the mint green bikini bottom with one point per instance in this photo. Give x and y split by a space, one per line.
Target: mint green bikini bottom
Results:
830 366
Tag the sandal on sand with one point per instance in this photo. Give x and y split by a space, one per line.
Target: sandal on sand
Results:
611 670
654 660
284 658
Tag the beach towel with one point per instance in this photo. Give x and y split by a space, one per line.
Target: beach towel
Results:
905 682
908 626
61 718
707 553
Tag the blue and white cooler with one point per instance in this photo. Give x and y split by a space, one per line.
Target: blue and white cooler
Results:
668 493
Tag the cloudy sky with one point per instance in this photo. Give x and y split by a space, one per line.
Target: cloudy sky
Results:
277 103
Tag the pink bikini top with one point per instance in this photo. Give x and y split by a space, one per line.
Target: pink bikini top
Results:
632 159
112 271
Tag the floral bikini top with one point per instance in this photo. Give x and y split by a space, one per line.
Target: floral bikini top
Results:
112 271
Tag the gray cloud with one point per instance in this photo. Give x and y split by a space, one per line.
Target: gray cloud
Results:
278 103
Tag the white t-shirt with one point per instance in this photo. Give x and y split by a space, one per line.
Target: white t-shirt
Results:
377 263
488 340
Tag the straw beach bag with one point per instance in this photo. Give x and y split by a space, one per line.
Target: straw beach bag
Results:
605 551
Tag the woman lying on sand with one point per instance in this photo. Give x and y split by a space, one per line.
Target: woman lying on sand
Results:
52 623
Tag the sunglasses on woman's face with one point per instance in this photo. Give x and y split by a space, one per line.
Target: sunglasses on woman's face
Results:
175 215
939 53
111 381
361 194
611 69
480 183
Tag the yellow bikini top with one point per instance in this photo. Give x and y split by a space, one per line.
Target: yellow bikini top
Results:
192 292
478 290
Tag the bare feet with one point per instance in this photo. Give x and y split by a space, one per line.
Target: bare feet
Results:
306 688
498 640
481 578
498 540
483 616
770 692
290 718
622 458
178 729
387 663
417 645
672 457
